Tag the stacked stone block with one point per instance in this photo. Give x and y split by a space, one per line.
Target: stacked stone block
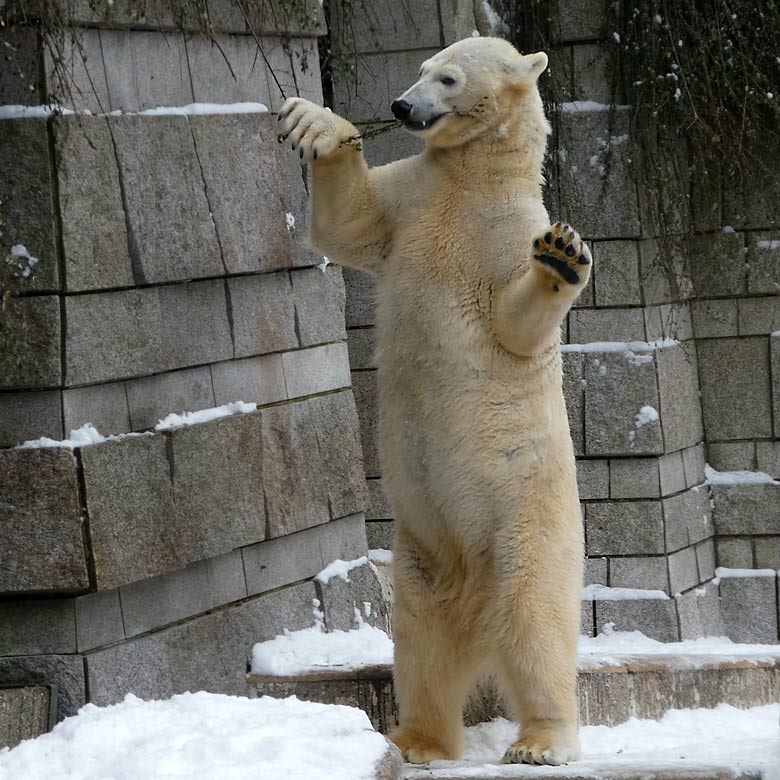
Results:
634 340
173 277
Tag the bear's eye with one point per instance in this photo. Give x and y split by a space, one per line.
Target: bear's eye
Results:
448 81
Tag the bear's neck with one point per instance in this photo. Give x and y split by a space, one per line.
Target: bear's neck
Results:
507 155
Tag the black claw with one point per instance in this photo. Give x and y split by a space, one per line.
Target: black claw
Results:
301 153
292 146
314 153
279 118
537 243
280 138
570 250
548 237
583 260
559 242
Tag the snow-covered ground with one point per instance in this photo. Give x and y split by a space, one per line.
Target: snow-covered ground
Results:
206 736
202 736
724 739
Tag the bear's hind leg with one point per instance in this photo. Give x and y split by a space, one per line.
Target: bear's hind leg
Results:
433 670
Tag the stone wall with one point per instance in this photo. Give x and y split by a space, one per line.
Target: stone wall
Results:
706 363
173 277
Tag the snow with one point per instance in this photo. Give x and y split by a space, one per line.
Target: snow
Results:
603 593
30 112
80 437
382 557
202 736
192 109
645 416
24 260
588 105
341 569
724 738
204 415
774 244
713 477
290 219
631 349
728 229
495 21
722 573
324 264
313 649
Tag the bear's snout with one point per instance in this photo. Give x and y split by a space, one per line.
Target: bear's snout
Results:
401 109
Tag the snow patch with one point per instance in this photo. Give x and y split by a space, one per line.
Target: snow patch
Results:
495 21
290 219
312 649
341 569
630 349
588 105
773 244
723 573
32 112
203 736
203 109
204 415
713 477
24 261
80 437
603 593
382 557
645 416
324 264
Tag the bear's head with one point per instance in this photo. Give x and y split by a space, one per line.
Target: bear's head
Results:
470 87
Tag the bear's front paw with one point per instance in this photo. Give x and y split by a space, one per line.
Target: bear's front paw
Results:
314 132
562 254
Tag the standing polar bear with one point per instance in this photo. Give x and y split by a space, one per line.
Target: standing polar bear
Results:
477 460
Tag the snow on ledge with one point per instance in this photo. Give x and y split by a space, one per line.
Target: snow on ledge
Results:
81 437
192 109
713 477
312 649
636 347
589 105
339 568
722 573
603 593
203 736
380 556
204 415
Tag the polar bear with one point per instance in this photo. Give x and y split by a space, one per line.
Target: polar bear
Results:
477 460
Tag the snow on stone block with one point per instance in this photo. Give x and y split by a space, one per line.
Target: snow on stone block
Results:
713 477
311 650
341 569
204 415
203 736
603 593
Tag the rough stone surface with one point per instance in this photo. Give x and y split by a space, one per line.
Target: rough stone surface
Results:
380 535
263 313
774 348
32 357
20 73
258 379
705 559
390 766
64 672
104 406
678 385
98 620
623 528
664 272
693 464
390 146
760 316
715 318
316 370
25 416
683 570
361 298
366 95
718 265
596 571
195 324
732 455
37 627
113 335
171 232
668 321
699 613
586 325
672 473
768 457
295 65
617 264
207 654
768 552
735 553
654 618
749 607
169 598
152 398
574 398
291 456
594 77
145 69
384 26
362 347
734 375
647 573
364 387
40 533
574 20
687 519
26 198
238 159
379 506
319 304
634 478
24 714
593 479
599 206
342 600
90 198
746 509
764 262
613 398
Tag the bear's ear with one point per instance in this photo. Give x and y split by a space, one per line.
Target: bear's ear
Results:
527 67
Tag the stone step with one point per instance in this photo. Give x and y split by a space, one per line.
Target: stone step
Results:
609 694
601 771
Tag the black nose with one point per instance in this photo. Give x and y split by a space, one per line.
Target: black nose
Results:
401 109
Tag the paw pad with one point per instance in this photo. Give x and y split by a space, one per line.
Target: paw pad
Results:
560 250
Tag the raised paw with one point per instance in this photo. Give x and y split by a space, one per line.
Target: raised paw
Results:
312 131
562 254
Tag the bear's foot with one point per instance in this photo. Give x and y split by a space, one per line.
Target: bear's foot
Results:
417 749
561 253
314 132
544 744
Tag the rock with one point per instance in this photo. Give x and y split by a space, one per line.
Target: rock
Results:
25 416
24 714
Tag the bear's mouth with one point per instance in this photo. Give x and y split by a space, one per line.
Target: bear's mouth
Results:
424 124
